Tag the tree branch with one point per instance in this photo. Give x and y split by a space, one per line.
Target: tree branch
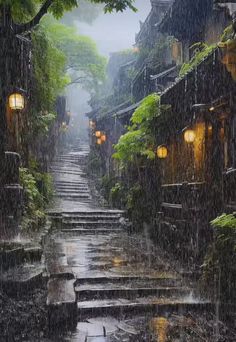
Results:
76 81
35 21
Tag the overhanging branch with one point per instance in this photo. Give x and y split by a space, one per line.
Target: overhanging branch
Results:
76 81
35 21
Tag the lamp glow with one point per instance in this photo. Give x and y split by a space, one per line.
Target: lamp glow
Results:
98 134
16 101
103 138
162 152
189 135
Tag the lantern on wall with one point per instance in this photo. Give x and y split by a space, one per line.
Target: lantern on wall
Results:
189 135
99 141
98 134
16 101
103 138
162 152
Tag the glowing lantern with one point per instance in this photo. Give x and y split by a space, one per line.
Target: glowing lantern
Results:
98 134
16 101
103 137
189 135
99 141
162 152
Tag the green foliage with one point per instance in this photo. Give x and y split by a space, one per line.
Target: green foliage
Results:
131 145
42 123
201 51
138 141
227 34
38 193
83 63
118 196
49 71
148 109
224 222
219 266
25 10
95 163
117 5
138 207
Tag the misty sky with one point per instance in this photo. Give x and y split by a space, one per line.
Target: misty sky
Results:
111 32
116 31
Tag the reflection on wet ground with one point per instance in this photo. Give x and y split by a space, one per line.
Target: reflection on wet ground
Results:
123 290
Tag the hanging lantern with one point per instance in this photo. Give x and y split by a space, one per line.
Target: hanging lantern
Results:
162 152
189 135
16 101
98 134
99 141
103 137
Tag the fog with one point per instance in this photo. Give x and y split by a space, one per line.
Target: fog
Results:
111 32
116 31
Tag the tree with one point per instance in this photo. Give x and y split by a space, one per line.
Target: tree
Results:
28 13
19 17
83 64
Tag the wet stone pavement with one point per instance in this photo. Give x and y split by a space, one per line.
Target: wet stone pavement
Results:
105 285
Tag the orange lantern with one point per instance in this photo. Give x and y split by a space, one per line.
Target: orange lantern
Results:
162 152
98 134
103 137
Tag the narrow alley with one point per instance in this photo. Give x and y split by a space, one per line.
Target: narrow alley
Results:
103 281
117 171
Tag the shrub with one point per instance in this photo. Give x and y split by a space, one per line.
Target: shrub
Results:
219 266
38 191
201 51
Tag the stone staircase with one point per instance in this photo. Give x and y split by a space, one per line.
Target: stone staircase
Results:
99 276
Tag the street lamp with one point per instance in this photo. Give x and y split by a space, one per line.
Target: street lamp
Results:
189 135
162 152
16 101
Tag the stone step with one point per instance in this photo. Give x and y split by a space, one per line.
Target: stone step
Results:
67 172
96 212
61 301
69 183
114 291
104 282
120 307
76 218
90 224
91 231
72 195
69 192
71 188
21 279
